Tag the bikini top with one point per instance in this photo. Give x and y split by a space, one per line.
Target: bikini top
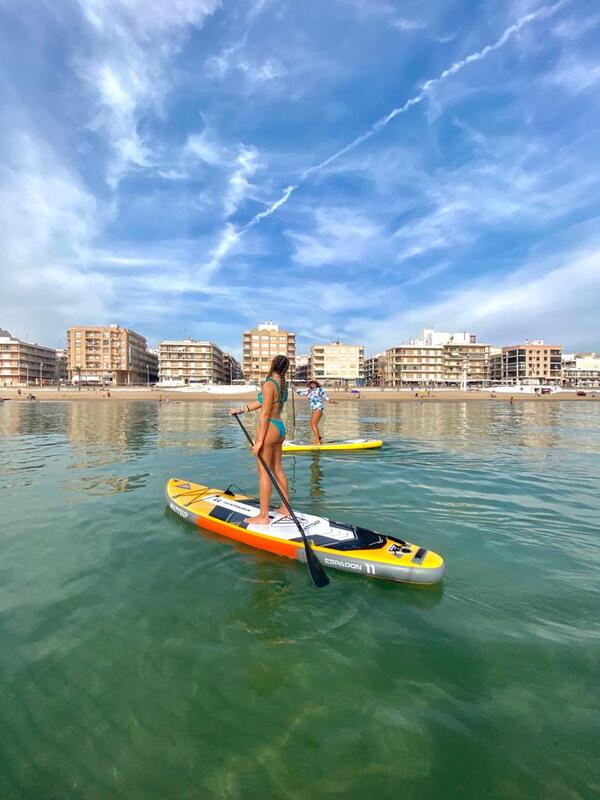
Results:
279 400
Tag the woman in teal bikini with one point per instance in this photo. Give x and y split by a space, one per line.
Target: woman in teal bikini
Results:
270 435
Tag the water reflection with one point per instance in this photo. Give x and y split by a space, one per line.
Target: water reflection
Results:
20 418
106 437
203 426
342 421
102 485
316 478
101 429
528 424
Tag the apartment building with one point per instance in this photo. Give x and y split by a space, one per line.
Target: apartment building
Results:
437 358
231 368
109 354
337 363
261 344
302 368
25 363
374 369
531 363
581 369
62 372
189 361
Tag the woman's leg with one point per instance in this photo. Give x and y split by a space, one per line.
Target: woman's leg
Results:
314 425
264 482
281 477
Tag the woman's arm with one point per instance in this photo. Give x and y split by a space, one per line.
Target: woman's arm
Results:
326 397
246 409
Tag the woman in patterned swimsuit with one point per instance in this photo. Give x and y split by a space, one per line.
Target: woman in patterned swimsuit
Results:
316 397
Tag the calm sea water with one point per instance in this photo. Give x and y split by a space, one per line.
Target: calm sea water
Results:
142 659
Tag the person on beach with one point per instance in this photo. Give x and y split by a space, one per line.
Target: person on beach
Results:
269 436
316 397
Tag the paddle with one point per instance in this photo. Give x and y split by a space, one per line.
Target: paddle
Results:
293 408
317 573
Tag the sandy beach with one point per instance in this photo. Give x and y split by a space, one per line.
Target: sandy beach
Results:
155 394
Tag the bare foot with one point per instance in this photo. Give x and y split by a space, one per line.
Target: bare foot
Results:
258 520
282 510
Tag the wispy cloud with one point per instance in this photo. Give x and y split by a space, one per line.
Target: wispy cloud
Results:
131 42
513 307
402 24
577 73
341 236
228 239
235 60
48 222
239 185
205 148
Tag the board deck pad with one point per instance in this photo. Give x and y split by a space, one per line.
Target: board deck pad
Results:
281 526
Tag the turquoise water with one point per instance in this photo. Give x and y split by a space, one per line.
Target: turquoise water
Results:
143 659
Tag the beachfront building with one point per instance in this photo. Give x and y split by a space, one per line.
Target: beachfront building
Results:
109 354
437 359
188 361
338 364
302 368
232 370
25 363
374 370
260 346
532 363
62 372
581 369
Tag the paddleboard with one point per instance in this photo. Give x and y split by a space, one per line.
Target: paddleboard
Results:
337 545
294 446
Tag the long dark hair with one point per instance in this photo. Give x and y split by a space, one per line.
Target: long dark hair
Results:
280 365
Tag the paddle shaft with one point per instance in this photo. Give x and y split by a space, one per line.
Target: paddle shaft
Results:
293 408
317 572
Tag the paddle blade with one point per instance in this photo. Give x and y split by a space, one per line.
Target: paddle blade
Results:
317 573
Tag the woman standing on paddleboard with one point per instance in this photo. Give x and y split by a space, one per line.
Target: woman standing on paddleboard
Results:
316 397
270 435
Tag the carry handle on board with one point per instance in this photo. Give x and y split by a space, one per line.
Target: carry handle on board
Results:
317 573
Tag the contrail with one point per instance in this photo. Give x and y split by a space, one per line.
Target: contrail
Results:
287 193
381 123
231 235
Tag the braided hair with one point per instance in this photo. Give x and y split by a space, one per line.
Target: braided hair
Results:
280 365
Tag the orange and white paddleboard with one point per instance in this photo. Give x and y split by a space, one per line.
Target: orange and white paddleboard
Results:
337 545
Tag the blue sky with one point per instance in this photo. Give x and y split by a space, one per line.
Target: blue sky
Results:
352 169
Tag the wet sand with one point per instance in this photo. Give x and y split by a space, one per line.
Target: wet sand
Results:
155 394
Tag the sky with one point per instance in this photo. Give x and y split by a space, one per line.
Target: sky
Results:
350 169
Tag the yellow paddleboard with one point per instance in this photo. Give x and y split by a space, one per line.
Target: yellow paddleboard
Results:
293 446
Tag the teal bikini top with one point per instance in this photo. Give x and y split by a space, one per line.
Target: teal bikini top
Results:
279 400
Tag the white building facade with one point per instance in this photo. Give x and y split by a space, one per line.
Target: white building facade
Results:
188 361
338 363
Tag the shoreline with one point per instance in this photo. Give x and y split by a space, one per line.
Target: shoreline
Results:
51 394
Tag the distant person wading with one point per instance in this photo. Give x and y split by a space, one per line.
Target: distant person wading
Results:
270 435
